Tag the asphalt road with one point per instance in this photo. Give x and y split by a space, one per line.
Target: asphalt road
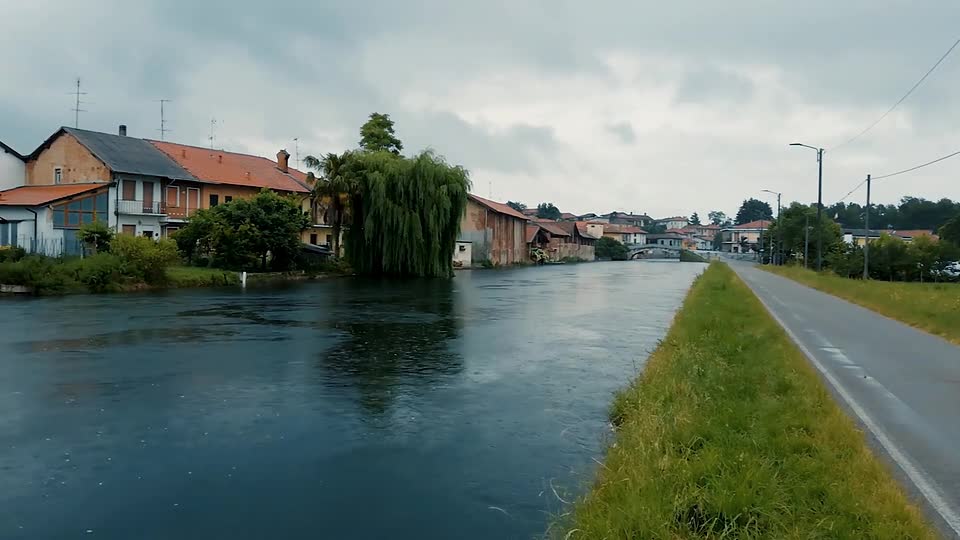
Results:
902 384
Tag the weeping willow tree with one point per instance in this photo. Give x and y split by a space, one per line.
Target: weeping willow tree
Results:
405 214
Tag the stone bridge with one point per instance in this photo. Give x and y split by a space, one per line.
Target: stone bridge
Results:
653 251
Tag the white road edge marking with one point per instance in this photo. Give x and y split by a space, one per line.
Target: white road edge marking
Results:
919 479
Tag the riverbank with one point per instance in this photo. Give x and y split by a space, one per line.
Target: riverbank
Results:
729 432
931 307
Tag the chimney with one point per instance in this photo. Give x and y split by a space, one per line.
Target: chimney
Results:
283 159
123 130
220 159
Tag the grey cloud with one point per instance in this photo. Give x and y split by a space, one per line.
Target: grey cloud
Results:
624 131
514 150
709 84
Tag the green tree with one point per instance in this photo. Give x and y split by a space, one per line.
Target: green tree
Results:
518 206
610 248
377 135
753 210
332 189
548 211
950 231
96 234
405 214
890 258
144 258
694 219
795 218
245 233
717 217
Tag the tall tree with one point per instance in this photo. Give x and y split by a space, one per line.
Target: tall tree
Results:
518 206
377 135
405 214
548 211
694 219
331 190
717 217
753 210
951 231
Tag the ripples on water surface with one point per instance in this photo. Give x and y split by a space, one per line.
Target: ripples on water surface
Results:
346 408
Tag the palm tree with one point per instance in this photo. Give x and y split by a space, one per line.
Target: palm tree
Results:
332 189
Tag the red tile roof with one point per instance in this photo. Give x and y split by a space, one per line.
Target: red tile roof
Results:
37 195
678 231
500 208
914 233
567 215
760 224
532 230
622 229
221 167
554 229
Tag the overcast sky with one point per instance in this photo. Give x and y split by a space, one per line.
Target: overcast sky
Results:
658 107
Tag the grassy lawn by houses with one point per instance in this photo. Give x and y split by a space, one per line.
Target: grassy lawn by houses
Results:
933 307
192 276
729 433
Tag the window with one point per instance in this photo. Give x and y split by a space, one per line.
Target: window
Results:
79 211
57 175
129 190
313 239
129 230
214 200
8 233
329 239
228 198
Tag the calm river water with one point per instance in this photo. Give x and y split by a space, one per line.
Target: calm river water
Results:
345 408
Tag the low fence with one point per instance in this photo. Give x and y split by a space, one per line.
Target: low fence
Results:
52 246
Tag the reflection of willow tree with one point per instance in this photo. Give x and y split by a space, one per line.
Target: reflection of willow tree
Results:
397 335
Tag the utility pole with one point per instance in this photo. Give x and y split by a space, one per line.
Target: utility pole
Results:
806 240
761 240
819 209
779 233
76 108
163 121
866 241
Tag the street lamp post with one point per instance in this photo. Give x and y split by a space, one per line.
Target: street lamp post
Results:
779 256
819 202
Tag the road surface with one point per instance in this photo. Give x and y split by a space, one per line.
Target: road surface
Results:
902 384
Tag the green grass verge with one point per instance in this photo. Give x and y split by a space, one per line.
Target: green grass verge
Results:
688 256
192 276
932 307
729 433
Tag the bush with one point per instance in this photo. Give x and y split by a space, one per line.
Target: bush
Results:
12 253
96 234
44 275
99 273
608 248
145 259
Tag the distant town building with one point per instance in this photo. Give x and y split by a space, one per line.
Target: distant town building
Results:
743 238
496 232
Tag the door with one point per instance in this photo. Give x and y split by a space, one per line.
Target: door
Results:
129 230
148 198
192 200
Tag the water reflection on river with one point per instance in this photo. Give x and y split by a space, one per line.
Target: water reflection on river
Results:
339 409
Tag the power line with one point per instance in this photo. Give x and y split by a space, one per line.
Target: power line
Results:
948 156
905 96
904 171
851 192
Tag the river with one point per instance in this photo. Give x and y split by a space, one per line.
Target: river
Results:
345 408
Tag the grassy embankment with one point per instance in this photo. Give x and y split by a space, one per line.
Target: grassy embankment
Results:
932 307
192 276
688 256
729 433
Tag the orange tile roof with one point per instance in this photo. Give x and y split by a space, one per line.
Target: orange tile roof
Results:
37 195
532 230
497 207
622 229
913 233
221 167
554 229
760 224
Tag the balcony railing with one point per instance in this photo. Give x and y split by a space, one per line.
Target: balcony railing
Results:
140 207
179 212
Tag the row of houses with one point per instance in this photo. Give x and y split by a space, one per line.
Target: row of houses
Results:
137 186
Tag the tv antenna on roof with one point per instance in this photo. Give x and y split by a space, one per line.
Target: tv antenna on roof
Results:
296 149
213 128
76 109
163 122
